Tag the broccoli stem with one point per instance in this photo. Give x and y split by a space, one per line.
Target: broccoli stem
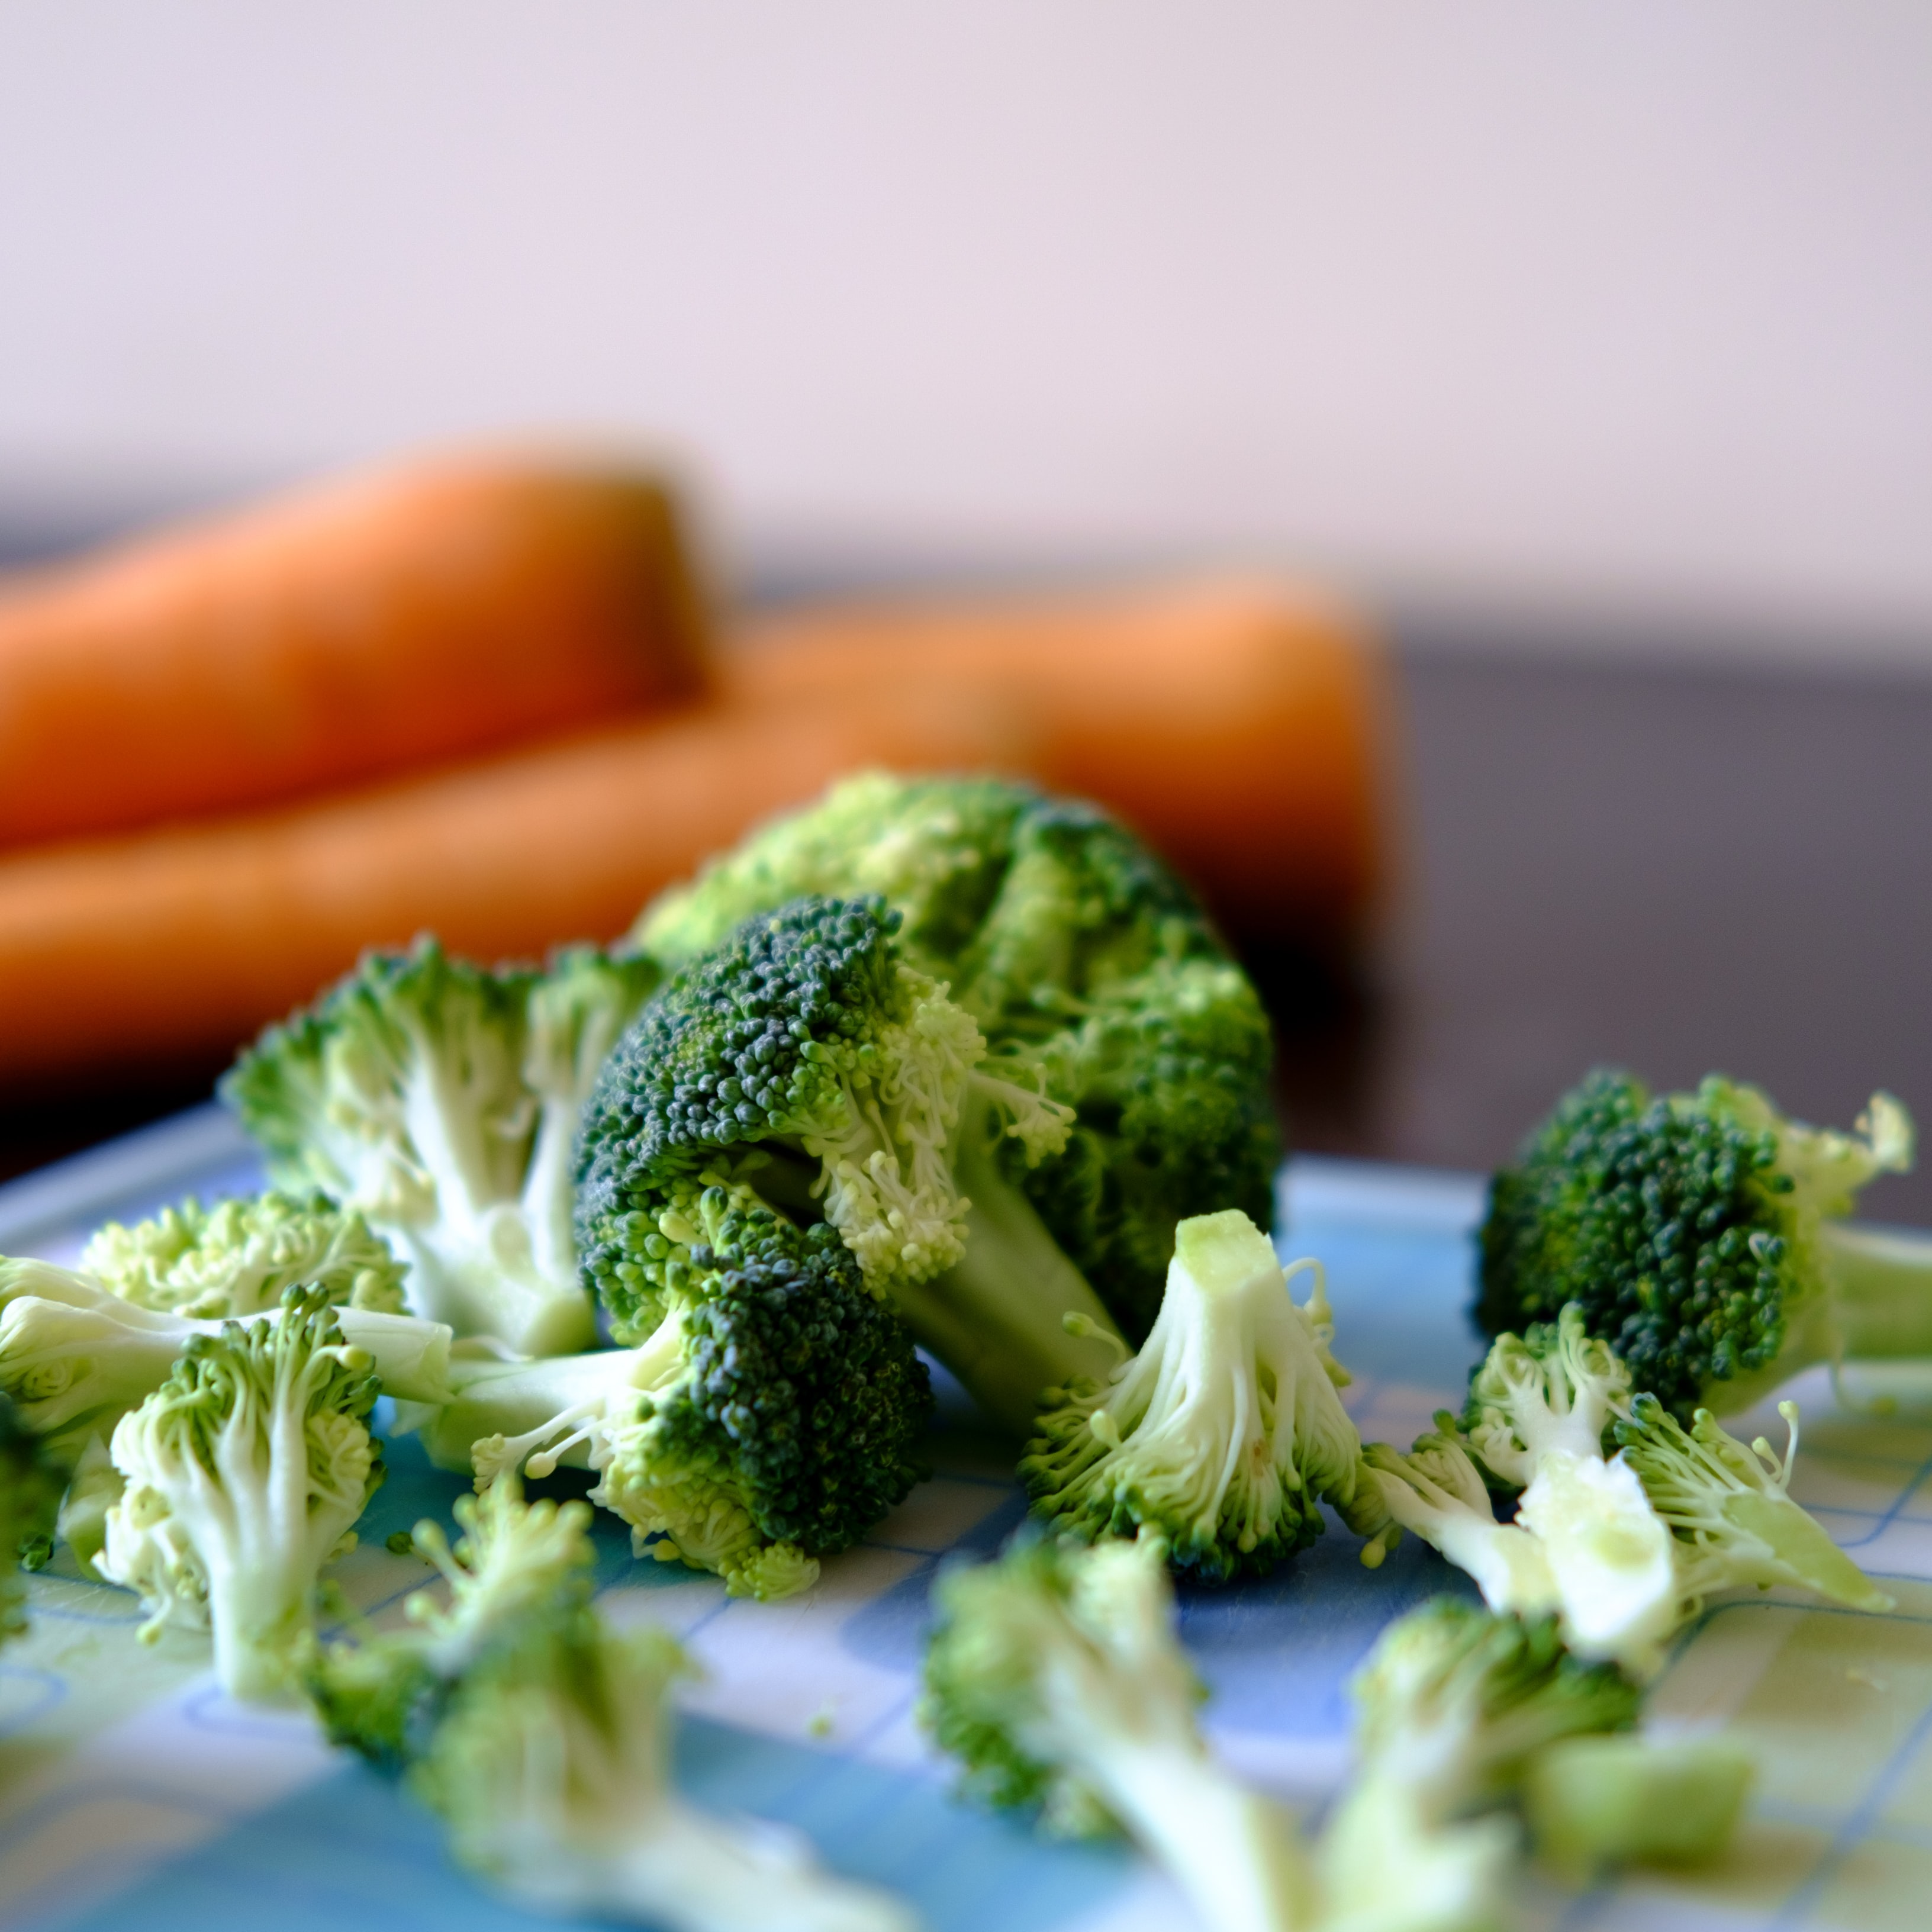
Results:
997 1319
1881 1281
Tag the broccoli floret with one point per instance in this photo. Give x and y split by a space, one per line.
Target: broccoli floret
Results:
76 1358
1730 1508
244 1472
1222 1434
516 1561
1079 953
1699 1234
235 1257
1454 1706
1437 1492
1053 1676
772 1418
1539 1407
805 1060
441 1100
1594 1800
30 1490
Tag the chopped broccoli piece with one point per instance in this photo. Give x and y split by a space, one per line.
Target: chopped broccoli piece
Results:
1729 1507
806 1061
1700 1234
1437 1492
1079 953
1454 1706
1221 1435
1053 1676
1539 1407
244 1472
773 1417
236 1258
441 1100
1594 1800
30 1490
76 1358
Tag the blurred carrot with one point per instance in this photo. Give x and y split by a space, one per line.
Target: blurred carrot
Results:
166 950
378 624
1241 725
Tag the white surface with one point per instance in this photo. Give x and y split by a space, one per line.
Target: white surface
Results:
1497 301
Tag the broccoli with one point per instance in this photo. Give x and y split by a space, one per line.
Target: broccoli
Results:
1053 1676
1437 1492
30 1488
1077 953
805 1060
244 1472
76 1358
1700 1234
773 1417
1454 1706
1539 1407
235 1257
441 1100
1219 1436
1729 1505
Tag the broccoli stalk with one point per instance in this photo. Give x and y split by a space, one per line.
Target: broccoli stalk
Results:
1437 1492
1539 1407
1702 1236
1054 1676
76 1359
1221 1435
1454 1706
244 1472
439 1100
1730 1508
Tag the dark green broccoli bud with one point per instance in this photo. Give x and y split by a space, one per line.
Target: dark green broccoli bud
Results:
1698 1234
1079 954
441 1100
805 1062
30 1493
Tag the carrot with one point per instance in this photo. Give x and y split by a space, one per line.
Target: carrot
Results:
377 624
163 952
1242 726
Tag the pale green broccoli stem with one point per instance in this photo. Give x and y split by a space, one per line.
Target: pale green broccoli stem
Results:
998 1318
1881 1284
1591 1801
1391 1861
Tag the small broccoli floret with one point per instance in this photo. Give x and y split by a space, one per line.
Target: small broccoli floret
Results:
236 1257
1730 1508
30 1490
1595 1800
1053 1676
805 1061
772 1418
441 1101
1540 1406
1080 955
1700 1234
1454 1706
244 1472
1437 1492
1222 1434
76 1358
517 1563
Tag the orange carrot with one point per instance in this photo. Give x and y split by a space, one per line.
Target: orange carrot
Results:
1242 726
165 951
378 624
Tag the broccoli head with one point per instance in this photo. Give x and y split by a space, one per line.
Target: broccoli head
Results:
1077 953
773 1417
1222 1434
1699 1234
806 1063
441 1101
30 1493
244 1472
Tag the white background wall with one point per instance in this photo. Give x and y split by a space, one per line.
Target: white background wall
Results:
1623 306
